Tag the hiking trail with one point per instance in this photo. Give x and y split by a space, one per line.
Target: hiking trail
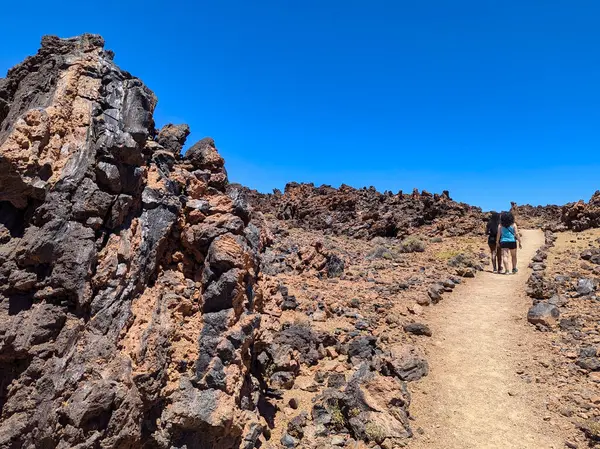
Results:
475 395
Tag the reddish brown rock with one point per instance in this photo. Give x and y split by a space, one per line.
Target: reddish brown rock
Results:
366 213
127 308
580 216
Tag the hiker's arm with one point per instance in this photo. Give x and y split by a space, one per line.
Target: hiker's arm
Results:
518 236
498 235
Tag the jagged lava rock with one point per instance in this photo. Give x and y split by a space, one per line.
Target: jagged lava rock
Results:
585 286
580 215
366 213
543 313
128 299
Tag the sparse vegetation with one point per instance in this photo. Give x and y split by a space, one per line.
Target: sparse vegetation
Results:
374 432
591 428
447 254
412 244
354 412
463 260
337 416
381 252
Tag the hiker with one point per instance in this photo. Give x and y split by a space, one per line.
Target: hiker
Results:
507 237
491 230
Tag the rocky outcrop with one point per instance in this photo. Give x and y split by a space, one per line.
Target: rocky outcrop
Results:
531 217
371 408
580 216
128 298
366 213
577 216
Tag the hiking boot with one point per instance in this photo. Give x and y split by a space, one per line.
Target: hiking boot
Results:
515 270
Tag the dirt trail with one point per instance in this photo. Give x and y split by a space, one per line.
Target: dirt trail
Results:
475 395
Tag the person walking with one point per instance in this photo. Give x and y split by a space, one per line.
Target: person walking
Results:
491 230
507 238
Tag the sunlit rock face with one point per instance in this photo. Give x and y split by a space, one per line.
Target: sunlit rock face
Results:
128 299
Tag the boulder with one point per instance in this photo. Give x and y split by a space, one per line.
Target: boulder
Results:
585 287
295 427
543 313
336 380
289 303
372 407
418 329
172 137
558 300
334 266
362 347
203 155
282 380
589 363
407 363
466 272
435 295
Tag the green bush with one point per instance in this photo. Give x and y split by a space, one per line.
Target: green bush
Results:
463 260
591 428
412 244
374 433
380 252
447 255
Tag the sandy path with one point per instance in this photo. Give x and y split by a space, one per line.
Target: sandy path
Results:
474 396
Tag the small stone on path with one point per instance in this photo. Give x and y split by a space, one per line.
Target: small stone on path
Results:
418 329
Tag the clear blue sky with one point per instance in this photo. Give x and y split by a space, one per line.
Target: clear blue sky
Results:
492 100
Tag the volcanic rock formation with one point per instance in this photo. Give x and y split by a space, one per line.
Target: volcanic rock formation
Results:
577 216
128 299
366 213
580 215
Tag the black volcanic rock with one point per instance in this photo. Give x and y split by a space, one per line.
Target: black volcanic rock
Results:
127 273
366 213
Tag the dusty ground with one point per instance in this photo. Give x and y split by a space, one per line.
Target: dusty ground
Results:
486 386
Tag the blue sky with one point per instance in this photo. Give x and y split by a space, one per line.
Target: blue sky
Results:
492 100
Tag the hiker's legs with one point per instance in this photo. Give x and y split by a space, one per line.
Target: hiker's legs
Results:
505 258
499 257
513 256
494 254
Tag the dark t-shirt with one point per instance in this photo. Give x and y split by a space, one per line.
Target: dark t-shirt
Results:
492 232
